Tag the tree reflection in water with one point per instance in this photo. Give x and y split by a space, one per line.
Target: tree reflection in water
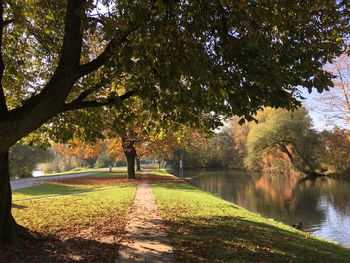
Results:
322 204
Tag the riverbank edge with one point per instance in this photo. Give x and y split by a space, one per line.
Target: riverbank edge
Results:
323 250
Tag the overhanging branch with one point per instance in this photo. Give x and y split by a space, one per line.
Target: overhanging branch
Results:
76 105
88 91
98 62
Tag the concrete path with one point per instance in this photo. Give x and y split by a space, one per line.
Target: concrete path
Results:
146 239
22 183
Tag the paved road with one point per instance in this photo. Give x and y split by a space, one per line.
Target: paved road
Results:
22 183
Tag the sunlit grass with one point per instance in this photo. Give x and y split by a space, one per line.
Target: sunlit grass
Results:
46 190
204 228
73 212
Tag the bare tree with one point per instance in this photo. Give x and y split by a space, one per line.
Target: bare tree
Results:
334 104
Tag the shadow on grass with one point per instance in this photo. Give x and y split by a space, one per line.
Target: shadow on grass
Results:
230 239
18 206
224 235
50 249
48 190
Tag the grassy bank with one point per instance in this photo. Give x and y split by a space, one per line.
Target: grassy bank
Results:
82 220
204 228
74 221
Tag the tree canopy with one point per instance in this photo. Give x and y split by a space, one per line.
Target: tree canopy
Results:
228 57
288 133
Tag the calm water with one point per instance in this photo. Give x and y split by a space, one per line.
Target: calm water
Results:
323 205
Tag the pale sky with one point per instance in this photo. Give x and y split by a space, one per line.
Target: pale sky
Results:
316 110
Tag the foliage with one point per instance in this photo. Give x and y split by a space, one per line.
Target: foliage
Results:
239 133
337 144
24 159
115 150
103 160
242 57
280 133
198 149
86 152
204 228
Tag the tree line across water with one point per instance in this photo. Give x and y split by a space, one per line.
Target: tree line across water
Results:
280 141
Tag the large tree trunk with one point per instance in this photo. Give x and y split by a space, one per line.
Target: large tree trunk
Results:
138 164
8 226
130 155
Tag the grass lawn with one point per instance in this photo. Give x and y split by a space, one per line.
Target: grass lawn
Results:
69 186
204 228
87 226
46 190
84 227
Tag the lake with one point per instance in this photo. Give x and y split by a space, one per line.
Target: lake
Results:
322 205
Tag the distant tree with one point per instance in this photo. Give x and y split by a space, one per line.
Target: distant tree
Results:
86 152
239 134
115 149
221 149
24 159
289 133
337 144
103 160
334 105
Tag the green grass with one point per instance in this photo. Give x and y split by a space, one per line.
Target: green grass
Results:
46 190
204 228
69 215
161 172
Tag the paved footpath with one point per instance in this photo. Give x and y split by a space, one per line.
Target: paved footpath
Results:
22 183
146 239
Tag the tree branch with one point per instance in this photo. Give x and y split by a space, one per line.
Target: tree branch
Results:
73 36
96 19
3 106
98 62
78 104
88 91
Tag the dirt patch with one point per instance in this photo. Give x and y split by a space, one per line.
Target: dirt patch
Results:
118 180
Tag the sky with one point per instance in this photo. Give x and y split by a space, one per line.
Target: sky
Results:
316 110
312 105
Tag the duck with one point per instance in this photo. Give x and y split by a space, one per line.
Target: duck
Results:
298 226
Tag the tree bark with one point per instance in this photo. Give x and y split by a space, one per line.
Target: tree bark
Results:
138 164
130 155
8 226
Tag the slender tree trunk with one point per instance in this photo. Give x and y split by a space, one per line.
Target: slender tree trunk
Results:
138 164
8 226
130 155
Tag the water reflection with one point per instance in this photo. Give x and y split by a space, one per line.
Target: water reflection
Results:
323 205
